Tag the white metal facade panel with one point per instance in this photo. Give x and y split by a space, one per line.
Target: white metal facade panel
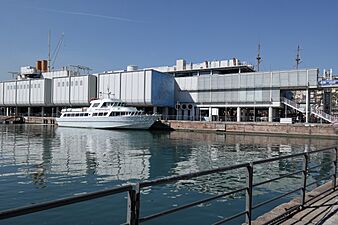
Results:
23 92
109 83
10 93
61 91
1 94
38 91
148 87
82 89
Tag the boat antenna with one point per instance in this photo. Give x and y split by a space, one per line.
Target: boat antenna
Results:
298 60
259 58
108 93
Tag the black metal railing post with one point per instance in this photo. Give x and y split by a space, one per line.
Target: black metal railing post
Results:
133 210
248 193
334 174
304 176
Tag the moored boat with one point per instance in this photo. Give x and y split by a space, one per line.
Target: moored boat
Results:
106 114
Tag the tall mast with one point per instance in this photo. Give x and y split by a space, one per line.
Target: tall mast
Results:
259 59
49 49
298 61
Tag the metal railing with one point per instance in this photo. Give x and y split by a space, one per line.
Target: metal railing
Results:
313 110
321 114
134 190
292 104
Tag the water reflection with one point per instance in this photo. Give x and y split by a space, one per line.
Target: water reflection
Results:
44 156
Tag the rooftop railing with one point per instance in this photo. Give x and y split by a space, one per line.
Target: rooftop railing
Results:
134 190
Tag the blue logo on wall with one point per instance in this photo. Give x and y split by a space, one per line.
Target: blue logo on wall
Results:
328 82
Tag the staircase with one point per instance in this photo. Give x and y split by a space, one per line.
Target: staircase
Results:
317 112
292 104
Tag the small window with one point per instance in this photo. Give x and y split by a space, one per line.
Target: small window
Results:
63 84
80 82
86 114
67 83
59 84
94 114
76 83
38 85
105 113
95 104
24 86
101 114
77 114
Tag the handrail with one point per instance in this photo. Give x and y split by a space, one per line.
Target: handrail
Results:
134 190
62 202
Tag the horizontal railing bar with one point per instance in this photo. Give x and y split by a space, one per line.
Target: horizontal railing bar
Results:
314 167
277 158
323 178
322 150
277 178
61 202
169 211
321 165
230 218
291 156
275 198
191 175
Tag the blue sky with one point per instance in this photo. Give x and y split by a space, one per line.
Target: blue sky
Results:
106 35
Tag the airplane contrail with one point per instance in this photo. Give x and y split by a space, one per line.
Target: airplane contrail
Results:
87 14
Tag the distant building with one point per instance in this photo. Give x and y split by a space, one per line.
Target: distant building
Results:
222 90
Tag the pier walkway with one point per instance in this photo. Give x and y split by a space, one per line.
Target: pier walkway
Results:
321 208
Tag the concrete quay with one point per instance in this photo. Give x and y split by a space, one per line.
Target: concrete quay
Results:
325 130
321 208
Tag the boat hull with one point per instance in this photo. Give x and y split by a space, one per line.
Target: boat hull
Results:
119 122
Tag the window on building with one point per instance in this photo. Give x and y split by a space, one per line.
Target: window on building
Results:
59 84
38 85
67 84
76 83
63 83
80 82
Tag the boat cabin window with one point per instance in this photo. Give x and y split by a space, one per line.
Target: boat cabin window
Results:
94 114
95 105
115 114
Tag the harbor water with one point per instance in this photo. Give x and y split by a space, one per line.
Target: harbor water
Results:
39 163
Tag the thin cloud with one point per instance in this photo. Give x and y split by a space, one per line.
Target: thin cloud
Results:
116 18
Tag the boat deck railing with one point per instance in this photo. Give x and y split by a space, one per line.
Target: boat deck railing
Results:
134 190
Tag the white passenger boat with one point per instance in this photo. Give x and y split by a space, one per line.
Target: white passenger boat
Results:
106 114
